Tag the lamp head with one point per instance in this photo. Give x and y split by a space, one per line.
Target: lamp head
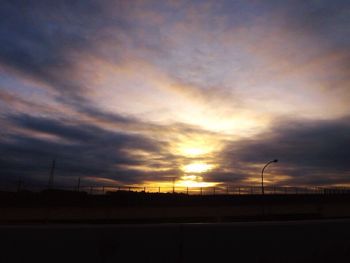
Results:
275 161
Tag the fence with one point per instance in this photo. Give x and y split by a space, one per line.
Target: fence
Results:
217 190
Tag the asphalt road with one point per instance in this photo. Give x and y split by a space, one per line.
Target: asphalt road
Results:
294 241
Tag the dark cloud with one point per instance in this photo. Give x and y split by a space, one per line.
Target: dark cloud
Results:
42 40
311 152
327 20
320 18
80 150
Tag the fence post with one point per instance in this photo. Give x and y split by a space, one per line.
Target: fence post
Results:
158 189
144 189
214 190
187 190
103 189
201 191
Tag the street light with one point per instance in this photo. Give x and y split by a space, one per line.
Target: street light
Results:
262 174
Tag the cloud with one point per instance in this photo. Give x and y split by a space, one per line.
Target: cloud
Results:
42 42
310 152
188 52
92 150
112 88
80 150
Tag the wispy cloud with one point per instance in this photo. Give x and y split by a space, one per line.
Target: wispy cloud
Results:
134 90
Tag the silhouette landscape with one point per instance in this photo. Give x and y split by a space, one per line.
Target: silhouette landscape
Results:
174 131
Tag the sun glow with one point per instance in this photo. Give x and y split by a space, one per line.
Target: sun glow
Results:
196 145
193 184
192 181
197 167
194 151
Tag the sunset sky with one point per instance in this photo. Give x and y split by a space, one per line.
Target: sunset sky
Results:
200 92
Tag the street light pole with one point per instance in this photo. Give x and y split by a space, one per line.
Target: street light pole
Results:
262 175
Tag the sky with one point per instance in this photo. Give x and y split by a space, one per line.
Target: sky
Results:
196 93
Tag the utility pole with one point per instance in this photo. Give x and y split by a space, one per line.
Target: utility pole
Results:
52 174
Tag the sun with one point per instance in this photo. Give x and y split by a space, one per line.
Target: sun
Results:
197 167
194 151
196 145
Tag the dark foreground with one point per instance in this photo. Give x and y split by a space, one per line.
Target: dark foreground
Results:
289 241
128 207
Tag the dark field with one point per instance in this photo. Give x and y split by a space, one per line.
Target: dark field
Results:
131 207
61 226
298 241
